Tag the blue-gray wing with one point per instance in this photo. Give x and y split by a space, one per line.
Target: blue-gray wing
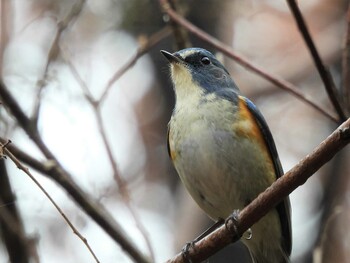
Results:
284 207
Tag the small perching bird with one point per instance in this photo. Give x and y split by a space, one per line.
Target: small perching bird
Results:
223 150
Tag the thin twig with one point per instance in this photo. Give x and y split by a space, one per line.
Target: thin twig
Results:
273 195
70 224
122 185
55 171
141 50
279 82
62 25
121 182
180 35
346 64
322 70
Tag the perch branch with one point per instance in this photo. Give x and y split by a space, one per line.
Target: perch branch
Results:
259 207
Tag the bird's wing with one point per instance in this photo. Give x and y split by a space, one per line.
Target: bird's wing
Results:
284 207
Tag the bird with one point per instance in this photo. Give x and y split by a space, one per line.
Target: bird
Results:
223 150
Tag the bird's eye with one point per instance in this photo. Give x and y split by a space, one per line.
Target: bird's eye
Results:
205 60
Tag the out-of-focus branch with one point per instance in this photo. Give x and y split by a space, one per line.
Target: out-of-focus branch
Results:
144 47
28 125
62 25
27 172
259 207
322 70
12 232
281 83
55 171
346 64
54 49
122 185
180 35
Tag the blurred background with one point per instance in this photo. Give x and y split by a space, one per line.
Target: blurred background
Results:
58 55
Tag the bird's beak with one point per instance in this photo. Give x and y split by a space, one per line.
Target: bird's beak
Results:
171 57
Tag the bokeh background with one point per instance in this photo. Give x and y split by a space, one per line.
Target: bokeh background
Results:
56 55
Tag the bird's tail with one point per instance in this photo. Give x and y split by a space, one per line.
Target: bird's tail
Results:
277 257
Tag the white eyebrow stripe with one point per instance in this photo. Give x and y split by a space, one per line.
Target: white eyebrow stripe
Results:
187 53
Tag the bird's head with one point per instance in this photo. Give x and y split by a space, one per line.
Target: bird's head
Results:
197 68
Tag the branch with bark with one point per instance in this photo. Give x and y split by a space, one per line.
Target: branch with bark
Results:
267 200
227 50
54 170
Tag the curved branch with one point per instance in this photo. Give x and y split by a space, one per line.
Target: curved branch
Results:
53 202
286 184
55 171
279 82
322 70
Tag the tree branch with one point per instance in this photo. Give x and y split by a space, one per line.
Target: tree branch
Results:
70 224
322 70
286 184
122 185
277 81
346 64
12 230
142 49
62 25
55 171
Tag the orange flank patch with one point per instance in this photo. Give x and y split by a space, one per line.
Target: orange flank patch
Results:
247 127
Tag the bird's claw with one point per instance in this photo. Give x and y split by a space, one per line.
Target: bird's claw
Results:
232 228
185 251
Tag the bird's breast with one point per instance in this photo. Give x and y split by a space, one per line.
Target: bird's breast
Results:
222 169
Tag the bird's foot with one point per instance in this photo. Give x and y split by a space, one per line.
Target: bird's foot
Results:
232 227
185 251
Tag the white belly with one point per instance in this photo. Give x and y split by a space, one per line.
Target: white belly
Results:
220 172
224 173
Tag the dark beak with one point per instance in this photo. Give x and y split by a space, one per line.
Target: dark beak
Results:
170 57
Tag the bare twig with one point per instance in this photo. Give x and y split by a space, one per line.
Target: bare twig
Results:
121 182
142 49
70 224
180 35
55 171
118 178
20 248
297 176
322 70
346 64
281 83
54 49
